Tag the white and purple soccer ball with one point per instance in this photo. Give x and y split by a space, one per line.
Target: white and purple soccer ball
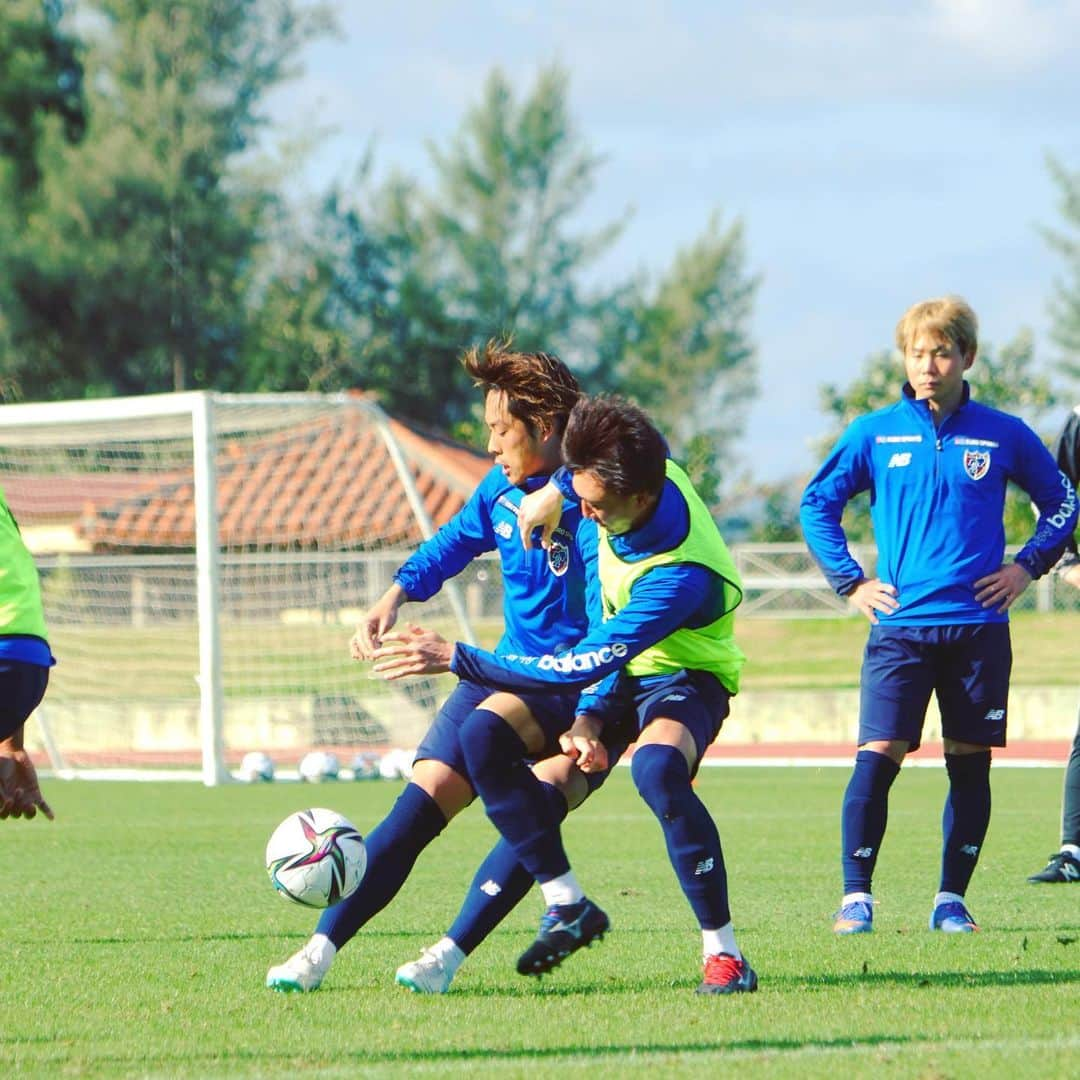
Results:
316 857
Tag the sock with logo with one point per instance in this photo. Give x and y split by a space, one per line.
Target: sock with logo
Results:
392 848
513 797
662 777
864 816
965 819
498 886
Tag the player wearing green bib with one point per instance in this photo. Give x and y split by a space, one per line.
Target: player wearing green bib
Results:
25 659
665 653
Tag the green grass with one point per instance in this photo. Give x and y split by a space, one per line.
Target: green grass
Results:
140 924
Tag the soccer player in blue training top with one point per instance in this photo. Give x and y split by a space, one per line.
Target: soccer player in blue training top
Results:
25 659
665 654
1064 864
528 397
936 464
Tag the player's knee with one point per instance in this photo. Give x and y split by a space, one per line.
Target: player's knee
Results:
489 739
662 777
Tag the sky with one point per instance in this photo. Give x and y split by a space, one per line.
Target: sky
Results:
876 153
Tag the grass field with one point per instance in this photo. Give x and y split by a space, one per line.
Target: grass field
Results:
140 924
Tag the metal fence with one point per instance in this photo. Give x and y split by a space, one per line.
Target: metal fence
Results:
780 581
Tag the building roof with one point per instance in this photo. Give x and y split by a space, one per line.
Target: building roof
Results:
327 484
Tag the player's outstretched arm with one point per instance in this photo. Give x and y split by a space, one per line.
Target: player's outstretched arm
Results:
20 795
872 596
540 509
376 622
415 652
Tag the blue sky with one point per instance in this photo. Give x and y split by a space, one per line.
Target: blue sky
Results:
877 154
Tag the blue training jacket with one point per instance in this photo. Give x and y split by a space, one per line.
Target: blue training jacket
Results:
549 597
937 498
661 601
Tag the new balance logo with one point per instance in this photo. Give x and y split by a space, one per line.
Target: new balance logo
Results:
504 529
970 849
1069 872
675 697
491 888
900 460
704 867
995 714
862 853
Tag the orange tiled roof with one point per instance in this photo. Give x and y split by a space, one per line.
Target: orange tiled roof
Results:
325 485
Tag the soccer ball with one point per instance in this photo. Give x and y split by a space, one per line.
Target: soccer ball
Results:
365 766
256 766
319 765
397 764
316 857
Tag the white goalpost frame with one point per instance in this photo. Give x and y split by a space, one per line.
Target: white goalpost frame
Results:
199 407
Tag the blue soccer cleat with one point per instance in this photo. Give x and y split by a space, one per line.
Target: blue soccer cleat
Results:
1063 866
855 918
952 917
564 929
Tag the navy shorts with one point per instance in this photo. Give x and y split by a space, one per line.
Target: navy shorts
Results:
553 712
967 667
697 700
22 686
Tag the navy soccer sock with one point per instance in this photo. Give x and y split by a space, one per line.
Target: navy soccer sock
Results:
965 819
392 849
1070 812
500 883
513 797
864 817
662 777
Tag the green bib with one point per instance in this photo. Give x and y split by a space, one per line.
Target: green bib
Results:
20 591
709 648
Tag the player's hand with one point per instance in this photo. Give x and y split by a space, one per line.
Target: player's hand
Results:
582 744
540 509
20 795
871 596
1072 576
1001 588
376 622
415 652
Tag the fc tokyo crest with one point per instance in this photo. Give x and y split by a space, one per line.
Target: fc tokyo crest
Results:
558 557
976 463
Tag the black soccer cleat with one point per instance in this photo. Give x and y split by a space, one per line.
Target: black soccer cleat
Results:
1063 866
564 929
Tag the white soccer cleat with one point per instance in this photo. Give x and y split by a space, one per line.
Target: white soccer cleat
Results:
424 976
302 972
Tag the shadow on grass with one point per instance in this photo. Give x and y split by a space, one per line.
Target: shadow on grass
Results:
937 979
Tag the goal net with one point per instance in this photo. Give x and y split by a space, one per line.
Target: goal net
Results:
204 559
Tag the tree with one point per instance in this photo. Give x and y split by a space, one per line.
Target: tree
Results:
132 270
1065 307
1003 379
41 77
687 353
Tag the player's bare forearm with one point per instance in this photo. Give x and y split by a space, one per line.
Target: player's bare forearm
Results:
415 652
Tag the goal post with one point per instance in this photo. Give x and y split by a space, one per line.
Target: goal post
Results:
204 558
